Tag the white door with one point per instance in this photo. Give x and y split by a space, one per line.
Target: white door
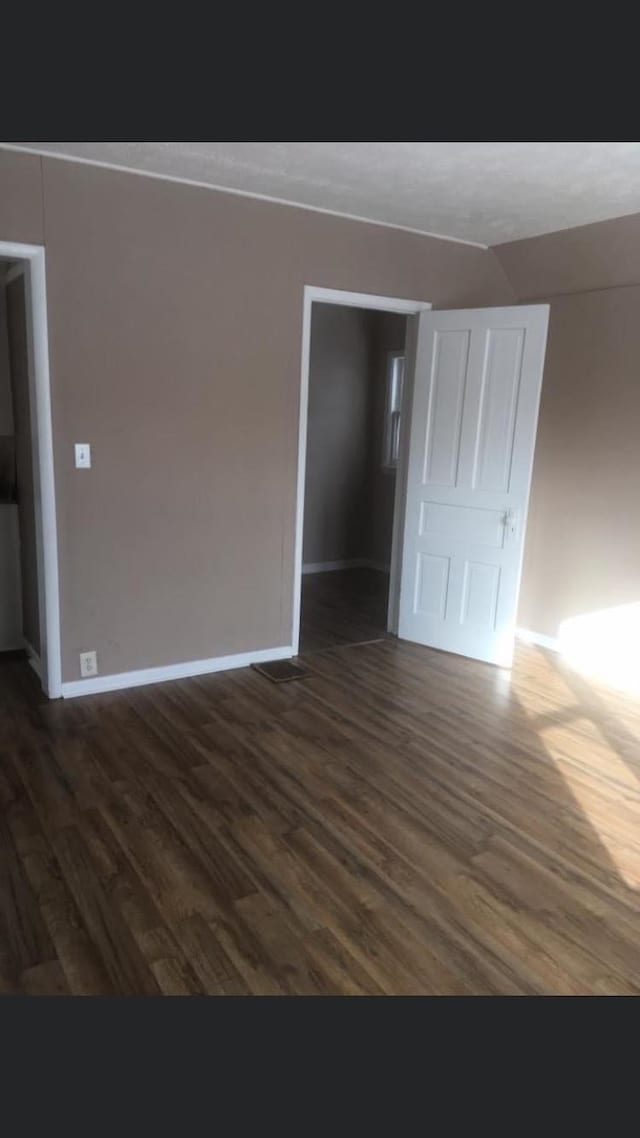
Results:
478 375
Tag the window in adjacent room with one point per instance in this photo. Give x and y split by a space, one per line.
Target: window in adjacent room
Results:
393 409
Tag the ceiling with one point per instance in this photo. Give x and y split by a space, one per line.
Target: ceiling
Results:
482 192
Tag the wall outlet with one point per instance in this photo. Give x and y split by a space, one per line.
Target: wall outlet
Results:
88 664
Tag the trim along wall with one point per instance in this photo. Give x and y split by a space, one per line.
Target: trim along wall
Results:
175 325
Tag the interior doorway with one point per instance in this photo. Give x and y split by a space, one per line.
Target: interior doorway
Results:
355 393
466 428
29 607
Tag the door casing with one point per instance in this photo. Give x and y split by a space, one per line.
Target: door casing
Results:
49 666
316 295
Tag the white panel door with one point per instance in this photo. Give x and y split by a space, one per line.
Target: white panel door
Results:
476 393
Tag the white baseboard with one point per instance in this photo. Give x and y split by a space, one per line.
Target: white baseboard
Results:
538 638
172 672
332 566
354 563
33 657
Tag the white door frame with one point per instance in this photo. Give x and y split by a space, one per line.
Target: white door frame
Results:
43 468
315 295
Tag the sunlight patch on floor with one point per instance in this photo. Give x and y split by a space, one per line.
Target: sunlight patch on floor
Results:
537 700
569 717
562 743
565 741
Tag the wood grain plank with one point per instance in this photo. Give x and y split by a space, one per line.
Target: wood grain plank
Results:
400 822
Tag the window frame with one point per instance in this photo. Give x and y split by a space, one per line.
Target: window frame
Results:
393 405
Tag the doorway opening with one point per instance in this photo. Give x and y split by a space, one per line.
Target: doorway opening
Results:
355 395
29 606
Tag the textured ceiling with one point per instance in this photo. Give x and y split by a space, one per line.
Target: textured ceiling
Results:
485 192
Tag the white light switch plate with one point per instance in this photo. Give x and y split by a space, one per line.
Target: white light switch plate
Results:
83 456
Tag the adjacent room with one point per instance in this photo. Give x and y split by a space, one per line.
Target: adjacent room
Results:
19 597
356 378
319 568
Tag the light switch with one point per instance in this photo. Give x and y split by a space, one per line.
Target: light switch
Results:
83 456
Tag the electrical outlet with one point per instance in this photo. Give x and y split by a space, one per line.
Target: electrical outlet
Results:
88 664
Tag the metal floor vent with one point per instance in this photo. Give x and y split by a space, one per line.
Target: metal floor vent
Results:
281 671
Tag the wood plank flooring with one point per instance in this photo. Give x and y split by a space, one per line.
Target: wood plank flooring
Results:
343 608
403 821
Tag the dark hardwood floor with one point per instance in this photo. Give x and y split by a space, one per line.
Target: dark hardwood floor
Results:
402 821
344 607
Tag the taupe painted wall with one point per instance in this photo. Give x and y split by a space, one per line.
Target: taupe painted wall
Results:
349 499
10 606
604 255
6 412
19 372
389 334
175 324
337 493
583 540
21 198
175 318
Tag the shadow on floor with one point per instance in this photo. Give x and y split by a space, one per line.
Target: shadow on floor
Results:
343 608
402 821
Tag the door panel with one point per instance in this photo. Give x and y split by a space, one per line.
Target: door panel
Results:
498 403
446 402
476 392
432 585
484 527
480 594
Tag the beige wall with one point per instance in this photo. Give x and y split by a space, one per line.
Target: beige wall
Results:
604 255
21 198
19 371
582 551
337 499
10 606
6 412
175 319
175 325
389 334
349 498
